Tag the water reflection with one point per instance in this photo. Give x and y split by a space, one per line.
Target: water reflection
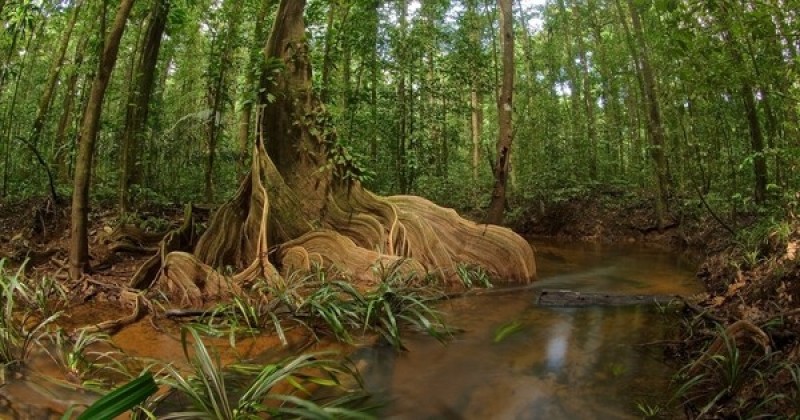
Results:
558 363
557 345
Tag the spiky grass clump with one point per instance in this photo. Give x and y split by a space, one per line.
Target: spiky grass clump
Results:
25 316
723 375
326 304
248 391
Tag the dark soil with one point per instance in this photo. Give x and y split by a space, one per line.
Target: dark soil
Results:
35 232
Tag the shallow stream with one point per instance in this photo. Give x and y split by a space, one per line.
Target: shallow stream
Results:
517 360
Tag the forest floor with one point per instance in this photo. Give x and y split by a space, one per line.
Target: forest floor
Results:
738 348
739 344
36 232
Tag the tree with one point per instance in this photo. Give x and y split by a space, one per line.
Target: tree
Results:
219 68
79 243
256 61
655 128
504 111
138 105
52 79
303 196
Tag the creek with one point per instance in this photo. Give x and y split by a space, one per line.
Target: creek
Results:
515 359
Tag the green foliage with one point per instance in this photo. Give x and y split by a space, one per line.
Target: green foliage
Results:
24 319
121 399
718 379
347 165
324 303
249 391
506 330
473 276
72 353
794 393
649 411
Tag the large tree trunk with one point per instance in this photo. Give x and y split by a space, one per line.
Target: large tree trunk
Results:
504 112
138 103
79 246
297 209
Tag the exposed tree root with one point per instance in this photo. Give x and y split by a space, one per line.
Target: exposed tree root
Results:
134 236
114 325
180 239
409 233
299 202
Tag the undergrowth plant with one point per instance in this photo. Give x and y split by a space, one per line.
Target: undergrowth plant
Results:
322 302
716 380
24 320
290 387
473 276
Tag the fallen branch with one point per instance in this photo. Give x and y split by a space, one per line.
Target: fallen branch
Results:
569 298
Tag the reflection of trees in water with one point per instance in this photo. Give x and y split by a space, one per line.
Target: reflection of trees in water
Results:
559 363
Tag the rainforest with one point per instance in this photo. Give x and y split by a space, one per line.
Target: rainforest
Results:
234 209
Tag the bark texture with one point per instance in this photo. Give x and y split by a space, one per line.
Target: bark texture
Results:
79 246
504 109
296 212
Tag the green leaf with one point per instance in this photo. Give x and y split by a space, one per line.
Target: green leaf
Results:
121 399
506 330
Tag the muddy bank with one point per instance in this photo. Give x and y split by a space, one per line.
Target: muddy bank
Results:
614 216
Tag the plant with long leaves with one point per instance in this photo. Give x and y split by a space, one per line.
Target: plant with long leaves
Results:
248 391
342 308
71 351
22 324
334 306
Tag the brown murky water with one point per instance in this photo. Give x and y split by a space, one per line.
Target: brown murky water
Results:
519 361
513 360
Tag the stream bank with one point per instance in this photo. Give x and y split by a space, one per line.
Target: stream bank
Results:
740 345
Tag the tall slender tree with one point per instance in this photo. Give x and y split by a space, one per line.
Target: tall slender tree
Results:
79 245
138 104
497 206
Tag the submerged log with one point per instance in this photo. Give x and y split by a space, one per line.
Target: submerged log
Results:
571 298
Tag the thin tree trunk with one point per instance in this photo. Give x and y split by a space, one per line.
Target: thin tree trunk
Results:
760 171
327 60
251 79
654 124
756 143
59 143
504 113
10 120
217 97
575 127
588 103
476 127
138 104
79 246
6 64
475 96
373 141
55 71
402 106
